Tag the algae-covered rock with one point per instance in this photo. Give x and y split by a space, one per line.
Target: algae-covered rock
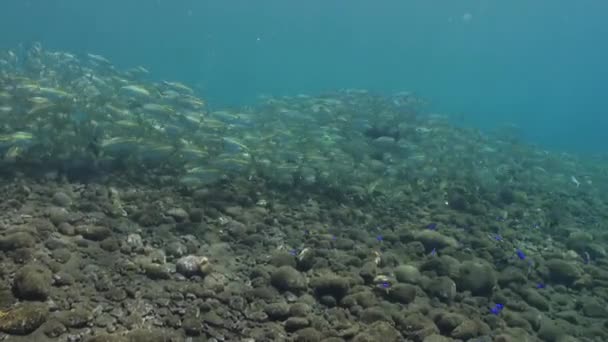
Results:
77 318
23 319
512 275
108 338
151 335
550 331
62 199
563 272
32 282
443 265
402 293
277 311
379 331
437 338
309 334
192 265
155 271
592 307
535 299
16 240
417 327
94 233
179 214
287 278
476 276
467 330
407 274
442 288
434 239
58 215
330 284
579 241
296 323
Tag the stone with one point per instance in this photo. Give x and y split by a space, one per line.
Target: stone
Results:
277 311
379 331
192 265
434 239
579 241
442 288
23 319
466 330
550 331
32 282
296 323
192 326
563 272
437 338
179 214
16 240
407 274
476 276
416 327
402 293
592 307
287 278
58 215
536 299
77 318
94 233
155 271
62 199
374 314
309 334
53 328
449 321
176 249
299 310
330 284
512 275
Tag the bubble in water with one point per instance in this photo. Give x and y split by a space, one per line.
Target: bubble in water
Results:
467 17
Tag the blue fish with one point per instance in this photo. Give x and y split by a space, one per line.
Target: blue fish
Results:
540 286
521 255
434 252
432 226
498 238
497 309
379 238
385 284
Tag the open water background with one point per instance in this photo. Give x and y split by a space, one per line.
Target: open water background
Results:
539 65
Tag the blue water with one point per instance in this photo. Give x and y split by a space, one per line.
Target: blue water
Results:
540 65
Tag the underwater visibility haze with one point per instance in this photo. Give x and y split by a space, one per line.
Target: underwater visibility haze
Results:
538 65
331 171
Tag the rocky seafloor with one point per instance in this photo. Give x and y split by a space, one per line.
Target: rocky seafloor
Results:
111 260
